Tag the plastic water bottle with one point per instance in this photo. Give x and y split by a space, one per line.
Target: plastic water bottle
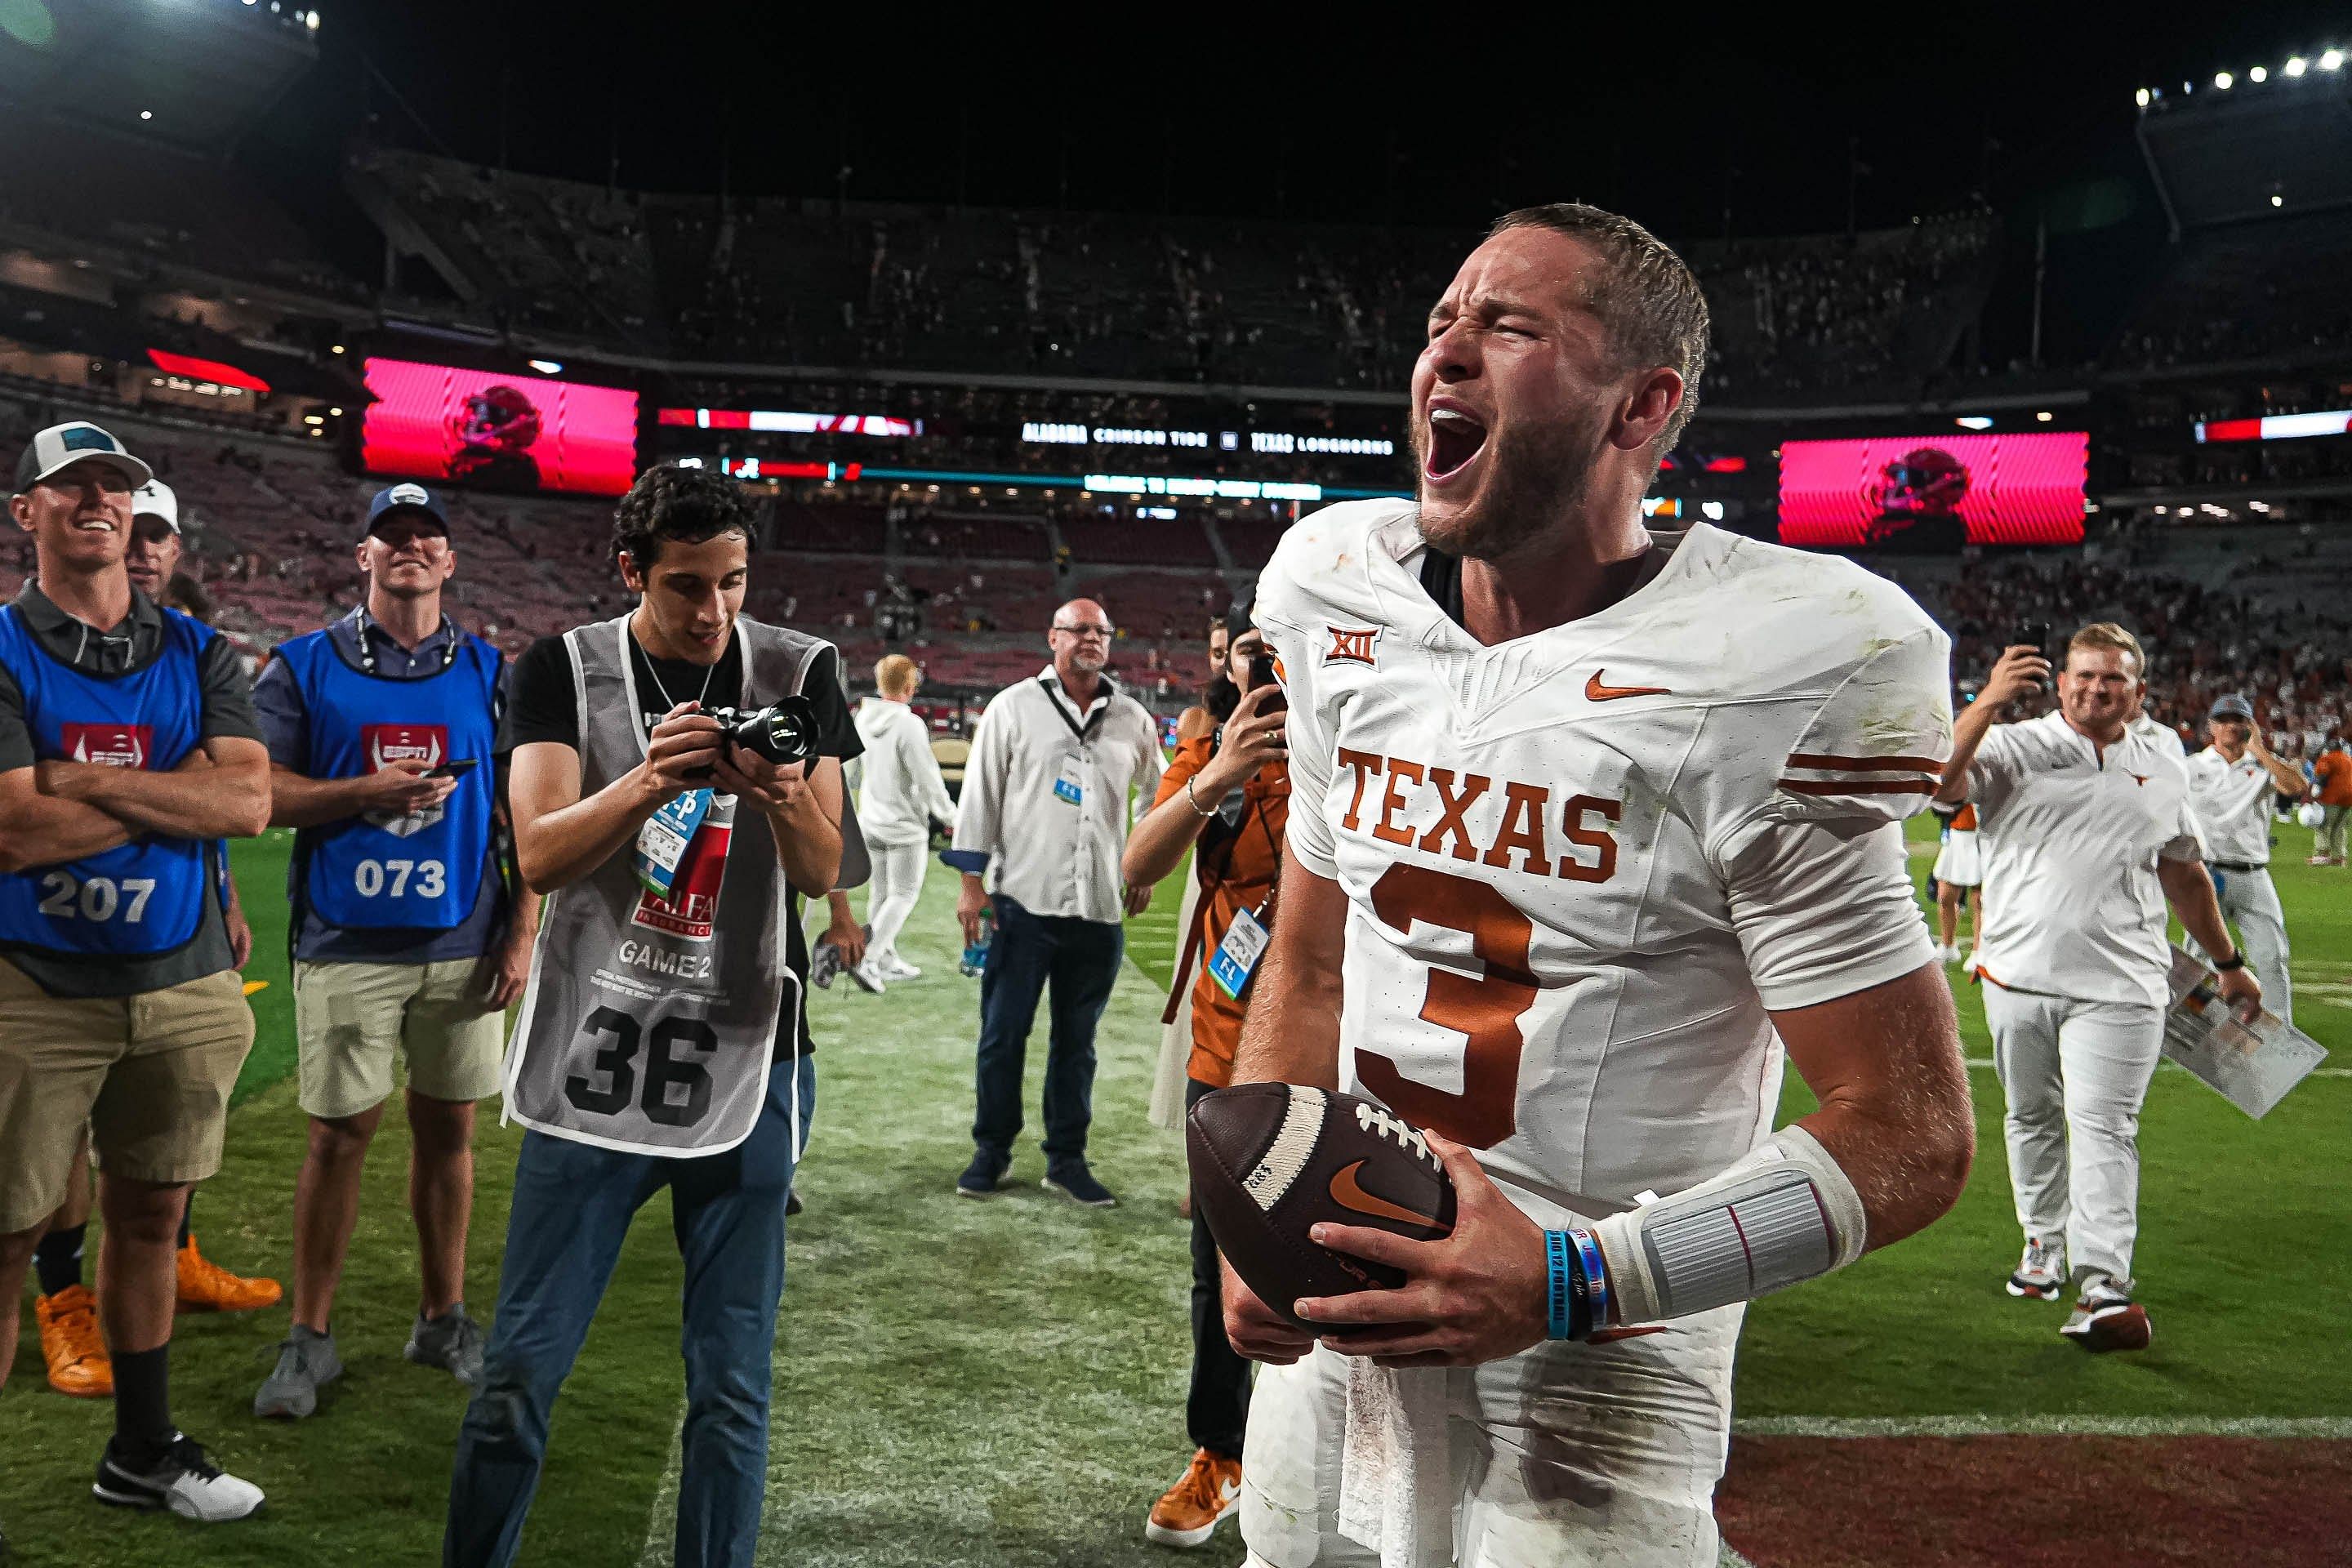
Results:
975 954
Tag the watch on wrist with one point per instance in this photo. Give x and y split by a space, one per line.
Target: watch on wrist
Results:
2224 965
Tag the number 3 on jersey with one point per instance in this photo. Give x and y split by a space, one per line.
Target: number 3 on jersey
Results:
1485 1008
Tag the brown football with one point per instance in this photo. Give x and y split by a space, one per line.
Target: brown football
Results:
1272 1160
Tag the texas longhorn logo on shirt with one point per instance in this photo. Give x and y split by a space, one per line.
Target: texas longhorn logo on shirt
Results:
109 745
384 744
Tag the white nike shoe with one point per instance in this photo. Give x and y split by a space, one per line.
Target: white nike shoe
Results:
1948 955
2041 1273
892 967
2106 1318
868 976
184 1480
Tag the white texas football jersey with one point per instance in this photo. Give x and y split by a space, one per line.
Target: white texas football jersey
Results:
1581 864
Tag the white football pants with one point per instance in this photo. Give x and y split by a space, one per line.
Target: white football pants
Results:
1567 1455
2250 903
2075 1073
890 898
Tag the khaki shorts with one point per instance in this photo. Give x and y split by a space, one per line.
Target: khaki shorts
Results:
150 1075
351 1018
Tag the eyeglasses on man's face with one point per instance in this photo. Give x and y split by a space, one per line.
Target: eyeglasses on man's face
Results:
1092 629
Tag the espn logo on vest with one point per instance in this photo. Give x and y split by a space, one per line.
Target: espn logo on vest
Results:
386 744
692 909
109 745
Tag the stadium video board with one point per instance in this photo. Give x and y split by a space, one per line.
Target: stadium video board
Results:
1935 492
509 432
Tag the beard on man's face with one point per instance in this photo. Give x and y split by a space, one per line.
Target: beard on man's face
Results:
1534 474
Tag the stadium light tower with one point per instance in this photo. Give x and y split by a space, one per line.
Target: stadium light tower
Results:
2141 96
2224 80
2333 59
2258 74
2296 65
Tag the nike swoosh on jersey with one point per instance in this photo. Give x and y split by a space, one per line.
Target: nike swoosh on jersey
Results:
1349 1194
1596 691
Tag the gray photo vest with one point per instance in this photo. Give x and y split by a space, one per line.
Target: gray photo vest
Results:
650 1022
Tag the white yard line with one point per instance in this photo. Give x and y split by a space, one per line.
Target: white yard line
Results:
660 1545
2327 1427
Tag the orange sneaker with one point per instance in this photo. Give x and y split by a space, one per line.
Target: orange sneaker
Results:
71 1346
206 1286
1188 1514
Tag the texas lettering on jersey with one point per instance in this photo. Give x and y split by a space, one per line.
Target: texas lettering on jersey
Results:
1540 840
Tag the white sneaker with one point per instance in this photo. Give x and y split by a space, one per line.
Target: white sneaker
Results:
867 975
2042 1272
1948 955
184 1480
892 967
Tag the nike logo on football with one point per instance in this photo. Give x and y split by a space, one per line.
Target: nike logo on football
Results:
1595 691
1350 1194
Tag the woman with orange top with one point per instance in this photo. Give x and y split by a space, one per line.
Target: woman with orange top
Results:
1227 797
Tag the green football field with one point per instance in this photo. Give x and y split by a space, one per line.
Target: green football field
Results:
1002 1383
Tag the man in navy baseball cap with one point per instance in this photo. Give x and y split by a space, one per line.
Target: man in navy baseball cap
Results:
406 498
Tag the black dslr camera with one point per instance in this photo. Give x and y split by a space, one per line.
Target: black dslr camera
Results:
785 731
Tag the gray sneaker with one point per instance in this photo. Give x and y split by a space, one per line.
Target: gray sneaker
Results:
452 1341
306 1362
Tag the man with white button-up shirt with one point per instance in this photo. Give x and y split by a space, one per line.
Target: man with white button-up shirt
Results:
2086 832
2233 786
1047 800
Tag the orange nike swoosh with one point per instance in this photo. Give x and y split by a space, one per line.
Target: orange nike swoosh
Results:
1594 691
1349 1194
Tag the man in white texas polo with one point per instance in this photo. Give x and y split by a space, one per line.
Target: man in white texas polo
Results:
2232 785
2087 834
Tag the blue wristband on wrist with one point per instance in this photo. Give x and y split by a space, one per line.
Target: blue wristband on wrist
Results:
1559 1291
1595 1269
1576 1292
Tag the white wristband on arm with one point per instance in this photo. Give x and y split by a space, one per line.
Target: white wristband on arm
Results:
1783 1214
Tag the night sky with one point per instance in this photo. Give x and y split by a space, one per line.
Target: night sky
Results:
1372 119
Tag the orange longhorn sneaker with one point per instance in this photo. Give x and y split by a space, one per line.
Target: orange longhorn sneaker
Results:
71 1346
1189 1512
206 1286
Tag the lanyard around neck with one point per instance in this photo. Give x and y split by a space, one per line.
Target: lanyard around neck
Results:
367 649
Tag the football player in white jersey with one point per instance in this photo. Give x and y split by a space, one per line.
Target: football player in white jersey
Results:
1588 825
2234 785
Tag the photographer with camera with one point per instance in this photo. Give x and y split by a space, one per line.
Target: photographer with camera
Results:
675 779
1227 797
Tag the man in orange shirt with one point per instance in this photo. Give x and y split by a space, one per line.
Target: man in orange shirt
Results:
1226 796
2332 771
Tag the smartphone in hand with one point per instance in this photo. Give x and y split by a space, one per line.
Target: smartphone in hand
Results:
1261 673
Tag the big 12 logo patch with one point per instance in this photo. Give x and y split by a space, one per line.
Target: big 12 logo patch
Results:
109 745
384 744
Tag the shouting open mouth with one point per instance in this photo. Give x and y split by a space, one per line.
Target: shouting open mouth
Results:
1456 437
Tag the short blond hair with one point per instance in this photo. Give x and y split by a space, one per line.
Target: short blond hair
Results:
895 674
2106 634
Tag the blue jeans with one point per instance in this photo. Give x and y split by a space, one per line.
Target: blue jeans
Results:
1080 959
573 1205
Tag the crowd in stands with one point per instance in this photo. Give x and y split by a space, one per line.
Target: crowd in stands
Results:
2265 291
782 280
2215 620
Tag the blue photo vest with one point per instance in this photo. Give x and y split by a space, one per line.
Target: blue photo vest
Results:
139 898
415 873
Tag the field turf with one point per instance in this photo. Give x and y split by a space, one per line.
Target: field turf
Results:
1002 1383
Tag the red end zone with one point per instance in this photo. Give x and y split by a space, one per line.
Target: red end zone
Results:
2028 1501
